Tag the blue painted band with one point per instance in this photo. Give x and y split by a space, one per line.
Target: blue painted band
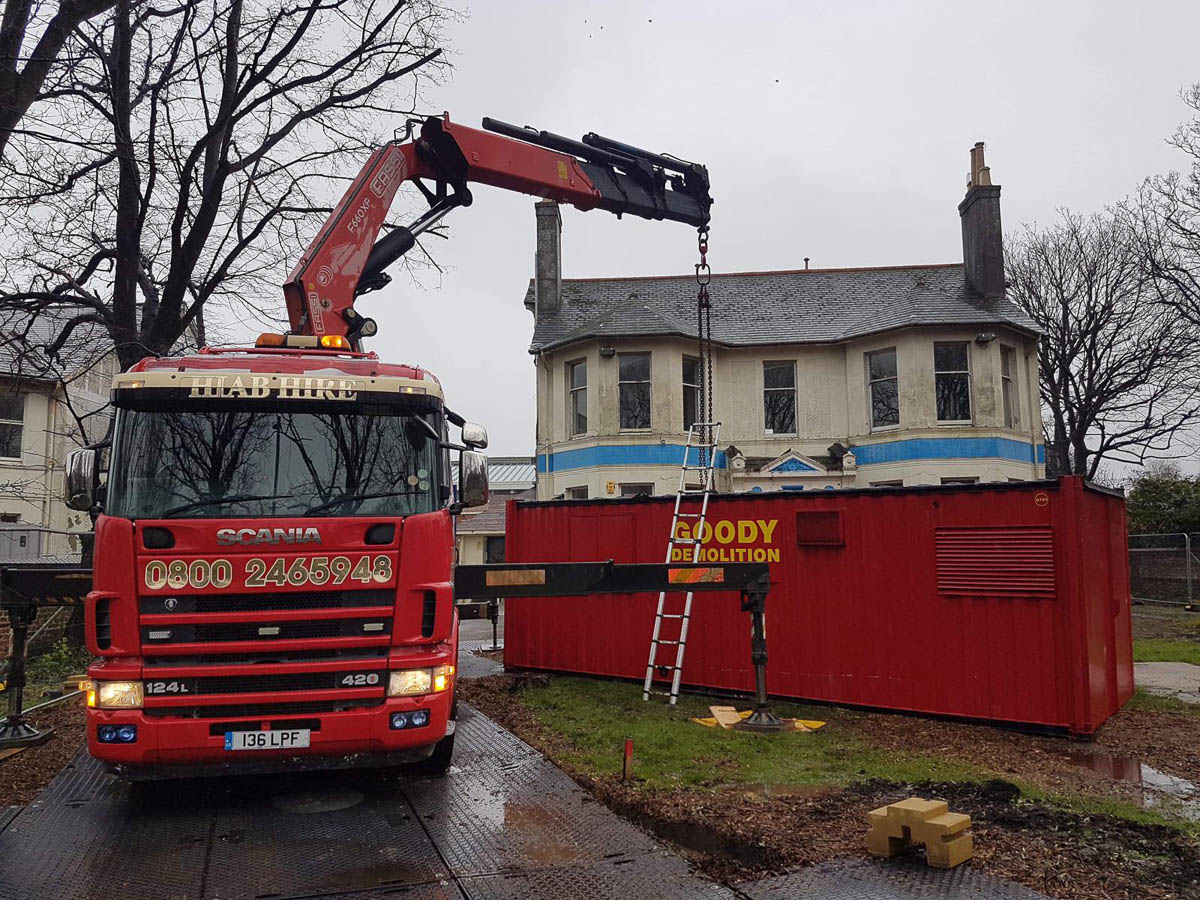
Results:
865 454
948 448
620 455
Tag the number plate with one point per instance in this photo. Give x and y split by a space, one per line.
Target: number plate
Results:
267 740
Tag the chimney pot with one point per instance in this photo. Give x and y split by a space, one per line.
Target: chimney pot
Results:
547 260
983 242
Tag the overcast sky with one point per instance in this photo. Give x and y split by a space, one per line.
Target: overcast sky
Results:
837 131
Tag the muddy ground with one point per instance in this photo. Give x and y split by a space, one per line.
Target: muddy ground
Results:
23 775
735 832
1171 623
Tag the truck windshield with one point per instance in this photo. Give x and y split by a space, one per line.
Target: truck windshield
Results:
208 462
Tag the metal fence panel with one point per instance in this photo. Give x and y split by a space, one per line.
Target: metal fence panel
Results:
23 543
1163 568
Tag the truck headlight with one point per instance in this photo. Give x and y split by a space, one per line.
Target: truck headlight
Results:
412 682
116 695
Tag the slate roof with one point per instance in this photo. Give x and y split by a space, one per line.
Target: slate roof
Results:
22 345
755 308
490 519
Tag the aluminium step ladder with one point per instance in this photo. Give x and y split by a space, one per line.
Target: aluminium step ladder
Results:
702 447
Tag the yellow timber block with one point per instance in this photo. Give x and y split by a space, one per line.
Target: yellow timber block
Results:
883 845
893 828
946 825
916 809
946 854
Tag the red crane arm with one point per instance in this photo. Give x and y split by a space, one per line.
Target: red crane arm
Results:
344 259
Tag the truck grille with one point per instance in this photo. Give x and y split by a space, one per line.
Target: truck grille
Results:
246 684
258 657
159 635
264 602
230 711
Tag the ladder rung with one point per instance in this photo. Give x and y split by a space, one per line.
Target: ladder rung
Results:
662 693
680 540
689 515
672 643
671 616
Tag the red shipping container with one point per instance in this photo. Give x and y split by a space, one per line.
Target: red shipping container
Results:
1001 602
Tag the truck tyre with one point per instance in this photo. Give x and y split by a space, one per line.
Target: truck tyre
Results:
439 762
443 750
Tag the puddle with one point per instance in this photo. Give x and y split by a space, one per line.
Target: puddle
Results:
538 832
1172 794
318 800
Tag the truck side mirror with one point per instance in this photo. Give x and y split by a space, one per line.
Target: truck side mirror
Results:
81 479
472 479
474 436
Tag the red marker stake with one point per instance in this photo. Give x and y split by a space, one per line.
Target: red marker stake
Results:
627 763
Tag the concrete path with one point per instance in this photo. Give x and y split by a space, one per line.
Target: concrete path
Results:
1169 679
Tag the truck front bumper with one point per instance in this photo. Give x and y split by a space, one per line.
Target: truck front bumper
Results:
185 747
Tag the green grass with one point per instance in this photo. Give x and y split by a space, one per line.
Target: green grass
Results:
1093 805
595 717
47 669
1147 702
1158 650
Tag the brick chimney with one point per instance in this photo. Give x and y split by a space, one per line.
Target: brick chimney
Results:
983 243
547 259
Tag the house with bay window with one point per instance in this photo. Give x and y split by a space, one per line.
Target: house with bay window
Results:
47 407
822 378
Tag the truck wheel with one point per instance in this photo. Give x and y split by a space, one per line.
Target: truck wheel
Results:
439 762
443 750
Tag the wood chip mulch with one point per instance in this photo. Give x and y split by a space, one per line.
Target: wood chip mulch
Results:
737 832
24 775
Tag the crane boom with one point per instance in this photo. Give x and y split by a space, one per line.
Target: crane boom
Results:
345 259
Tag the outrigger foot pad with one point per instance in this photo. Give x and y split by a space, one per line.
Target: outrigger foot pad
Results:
762 721
19 733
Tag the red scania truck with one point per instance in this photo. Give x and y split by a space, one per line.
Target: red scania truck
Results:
274 546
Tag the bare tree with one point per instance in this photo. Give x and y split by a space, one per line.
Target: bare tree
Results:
1120 372
1166 217
191 153
26 60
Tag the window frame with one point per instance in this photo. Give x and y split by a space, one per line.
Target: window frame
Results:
621 486
570 493
489 543
694 388
649 382
1010 400
795 397
573 394
871 382
966 345
19 424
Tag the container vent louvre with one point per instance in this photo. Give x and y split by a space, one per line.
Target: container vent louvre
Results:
991 562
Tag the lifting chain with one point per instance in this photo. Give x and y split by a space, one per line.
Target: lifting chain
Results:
704 335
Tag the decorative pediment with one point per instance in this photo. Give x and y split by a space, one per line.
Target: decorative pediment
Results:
792 462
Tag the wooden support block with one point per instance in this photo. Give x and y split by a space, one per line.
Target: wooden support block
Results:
892 829
948 854
946 825
726 716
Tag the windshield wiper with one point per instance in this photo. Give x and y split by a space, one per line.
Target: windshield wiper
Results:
349 498
213 501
